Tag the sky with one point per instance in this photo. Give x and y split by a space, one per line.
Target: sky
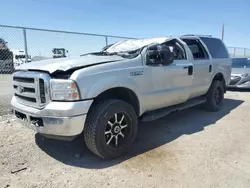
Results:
132 18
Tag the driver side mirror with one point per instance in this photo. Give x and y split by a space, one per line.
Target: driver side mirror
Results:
159 54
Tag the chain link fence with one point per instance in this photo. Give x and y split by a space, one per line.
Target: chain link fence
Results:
20 45
237 52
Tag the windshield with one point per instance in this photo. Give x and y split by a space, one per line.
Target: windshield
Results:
59 51
20 56
133 45
241 63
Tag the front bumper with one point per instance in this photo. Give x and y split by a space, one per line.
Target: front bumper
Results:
56 119
239 82
243 86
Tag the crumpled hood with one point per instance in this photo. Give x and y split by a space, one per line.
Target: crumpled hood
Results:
240 71
64 64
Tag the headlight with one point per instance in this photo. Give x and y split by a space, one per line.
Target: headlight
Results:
64 90
246 75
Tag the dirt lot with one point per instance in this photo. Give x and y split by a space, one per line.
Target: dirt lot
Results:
192 148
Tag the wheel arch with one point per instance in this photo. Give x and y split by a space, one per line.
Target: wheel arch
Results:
219 76
120 93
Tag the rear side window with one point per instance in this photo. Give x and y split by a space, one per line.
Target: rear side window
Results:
216 47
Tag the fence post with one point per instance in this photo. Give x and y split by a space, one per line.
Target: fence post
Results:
106 40
234 51
25 45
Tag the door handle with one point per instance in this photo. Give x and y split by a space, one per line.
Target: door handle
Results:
210 68
190 69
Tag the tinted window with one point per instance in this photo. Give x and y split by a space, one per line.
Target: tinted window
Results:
240 63
215 47
20 56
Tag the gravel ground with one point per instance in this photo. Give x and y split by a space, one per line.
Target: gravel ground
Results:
6 93
191 148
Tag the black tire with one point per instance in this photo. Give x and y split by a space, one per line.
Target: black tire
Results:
98 121
215 96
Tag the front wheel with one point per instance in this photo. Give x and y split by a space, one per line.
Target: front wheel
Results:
110 128
215 96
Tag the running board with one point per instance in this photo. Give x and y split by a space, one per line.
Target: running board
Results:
159 113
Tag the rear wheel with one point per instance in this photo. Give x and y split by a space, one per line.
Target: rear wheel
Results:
215 96
110 128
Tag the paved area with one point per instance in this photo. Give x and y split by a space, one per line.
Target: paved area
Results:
192 148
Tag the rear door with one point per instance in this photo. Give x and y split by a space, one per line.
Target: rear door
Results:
202 66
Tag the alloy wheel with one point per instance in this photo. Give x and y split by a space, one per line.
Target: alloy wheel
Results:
118 130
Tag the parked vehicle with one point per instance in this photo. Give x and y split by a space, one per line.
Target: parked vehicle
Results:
103 94
59 53
3 44
240 76
19 57
6 58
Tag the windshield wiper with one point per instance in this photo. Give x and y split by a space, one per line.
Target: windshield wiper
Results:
105 53
99 53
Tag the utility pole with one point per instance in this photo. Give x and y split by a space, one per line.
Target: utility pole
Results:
222 32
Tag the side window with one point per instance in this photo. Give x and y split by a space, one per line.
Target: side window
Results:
196 48
177 49
216 47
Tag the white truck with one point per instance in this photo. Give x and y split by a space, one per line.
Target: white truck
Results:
19 57
103 94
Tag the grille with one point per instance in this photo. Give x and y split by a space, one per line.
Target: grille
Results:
42 90
234 80
31 88
26 98
20 79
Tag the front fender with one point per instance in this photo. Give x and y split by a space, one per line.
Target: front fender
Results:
92 85
95 80
111 82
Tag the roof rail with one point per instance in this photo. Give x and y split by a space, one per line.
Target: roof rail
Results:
198 35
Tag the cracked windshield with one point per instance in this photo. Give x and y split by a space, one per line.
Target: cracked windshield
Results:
124 94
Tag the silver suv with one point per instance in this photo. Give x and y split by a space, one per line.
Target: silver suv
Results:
103 94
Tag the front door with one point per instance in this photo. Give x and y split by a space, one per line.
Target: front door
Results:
169 84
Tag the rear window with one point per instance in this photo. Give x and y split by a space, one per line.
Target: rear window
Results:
240 63
216 47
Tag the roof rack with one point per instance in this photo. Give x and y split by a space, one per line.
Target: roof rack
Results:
196 35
